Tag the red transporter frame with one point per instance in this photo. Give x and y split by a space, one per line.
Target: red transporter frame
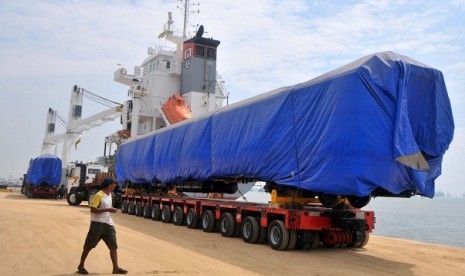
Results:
303 226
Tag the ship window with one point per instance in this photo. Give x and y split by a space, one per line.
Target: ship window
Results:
211 53
199 51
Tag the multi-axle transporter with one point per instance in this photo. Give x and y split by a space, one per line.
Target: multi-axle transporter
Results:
283 226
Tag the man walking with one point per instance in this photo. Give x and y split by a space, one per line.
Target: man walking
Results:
102 227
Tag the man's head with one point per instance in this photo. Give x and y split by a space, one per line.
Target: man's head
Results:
108 183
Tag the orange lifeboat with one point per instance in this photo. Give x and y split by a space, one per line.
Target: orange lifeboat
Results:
176 109
124 134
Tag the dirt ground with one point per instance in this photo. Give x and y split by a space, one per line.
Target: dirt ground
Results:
45 237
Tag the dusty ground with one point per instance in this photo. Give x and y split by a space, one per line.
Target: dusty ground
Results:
45 237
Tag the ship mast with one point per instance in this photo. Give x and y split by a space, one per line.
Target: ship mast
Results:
186 8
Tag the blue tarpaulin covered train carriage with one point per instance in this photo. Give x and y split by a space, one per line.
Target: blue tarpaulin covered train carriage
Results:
377 126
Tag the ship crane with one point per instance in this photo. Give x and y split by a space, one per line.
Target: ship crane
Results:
76 124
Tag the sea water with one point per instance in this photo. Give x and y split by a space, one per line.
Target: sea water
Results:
440 220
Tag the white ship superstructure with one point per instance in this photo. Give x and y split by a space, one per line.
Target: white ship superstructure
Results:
188 68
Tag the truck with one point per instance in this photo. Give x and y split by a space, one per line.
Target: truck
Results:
84 180
378 126
43 177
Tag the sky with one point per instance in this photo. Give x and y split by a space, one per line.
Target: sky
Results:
48 46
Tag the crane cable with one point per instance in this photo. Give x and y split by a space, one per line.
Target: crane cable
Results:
99 99
61 119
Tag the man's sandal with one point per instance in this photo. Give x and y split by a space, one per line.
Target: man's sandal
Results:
82 270
120 271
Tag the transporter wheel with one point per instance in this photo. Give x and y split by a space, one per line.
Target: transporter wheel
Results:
192 219
364 241
359 202
250 229
138 209
292 239
228 225
166 214
278 235
124 207
73 199
208 221
116 198
328 200
178 216
307 240
155 214
131 208
146 211
262 237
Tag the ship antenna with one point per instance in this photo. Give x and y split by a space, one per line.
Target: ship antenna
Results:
186 8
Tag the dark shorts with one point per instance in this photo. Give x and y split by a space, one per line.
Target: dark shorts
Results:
101 231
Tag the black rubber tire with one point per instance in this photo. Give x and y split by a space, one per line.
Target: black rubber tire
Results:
208 221
359 202
328 200
116 200
192 219
263 236
364 241
131 208
138 209
227 225
146 211
166 214
315 241
178 216
155 212
307 240
73 199
278 235
292 239
250 229
124 207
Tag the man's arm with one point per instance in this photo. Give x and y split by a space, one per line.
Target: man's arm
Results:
96 202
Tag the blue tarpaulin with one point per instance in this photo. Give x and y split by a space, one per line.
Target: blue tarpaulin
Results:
45 169
383 121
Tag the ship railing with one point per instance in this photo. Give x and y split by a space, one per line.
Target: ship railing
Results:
221 91
164 67
161 49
